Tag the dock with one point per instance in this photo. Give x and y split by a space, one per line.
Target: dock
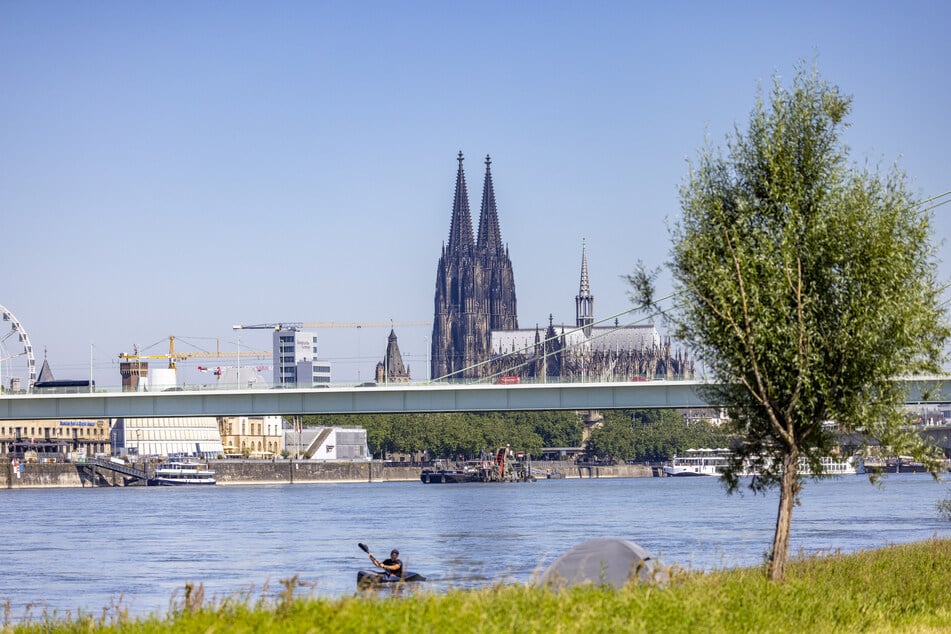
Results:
95 470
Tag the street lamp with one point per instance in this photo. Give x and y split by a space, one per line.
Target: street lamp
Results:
237 381
428 369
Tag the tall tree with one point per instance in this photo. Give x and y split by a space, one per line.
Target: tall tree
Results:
805 285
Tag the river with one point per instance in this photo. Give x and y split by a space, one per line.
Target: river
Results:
88 549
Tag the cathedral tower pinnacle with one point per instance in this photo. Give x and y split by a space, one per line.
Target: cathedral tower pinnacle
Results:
584 300
460 228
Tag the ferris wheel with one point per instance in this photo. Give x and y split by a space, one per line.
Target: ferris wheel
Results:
17 364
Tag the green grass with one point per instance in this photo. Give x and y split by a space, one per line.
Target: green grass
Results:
896 589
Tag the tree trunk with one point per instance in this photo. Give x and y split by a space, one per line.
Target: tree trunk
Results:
788 493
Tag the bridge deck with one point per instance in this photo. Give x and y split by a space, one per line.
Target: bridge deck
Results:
397 398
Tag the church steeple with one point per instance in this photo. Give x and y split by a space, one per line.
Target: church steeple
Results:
490 236
391 369
584 300
460 229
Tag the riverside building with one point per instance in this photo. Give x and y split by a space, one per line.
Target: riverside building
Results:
295 359
252 436
181 435
53 440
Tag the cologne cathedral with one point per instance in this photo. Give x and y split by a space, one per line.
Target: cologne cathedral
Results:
475 324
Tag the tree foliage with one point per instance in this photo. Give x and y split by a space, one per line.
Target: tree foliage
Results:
651 435
805 285
461 434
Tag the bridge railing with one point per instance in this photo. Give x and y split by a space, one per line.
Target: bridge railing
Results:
264 385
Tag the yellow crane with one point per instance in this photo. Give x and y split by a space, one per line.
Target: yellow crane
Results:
174 356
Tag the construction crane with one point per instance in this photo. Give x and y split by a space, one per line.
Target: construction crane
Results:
300 325
173 356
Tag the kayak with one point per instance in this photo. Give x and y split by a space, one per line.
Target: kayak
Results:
369 578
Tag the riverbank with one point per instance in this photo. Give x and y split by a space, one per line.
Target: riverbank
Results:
251 472
898 588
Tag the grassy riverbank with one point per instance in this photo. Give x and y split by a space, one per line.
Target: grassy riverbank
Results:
896 589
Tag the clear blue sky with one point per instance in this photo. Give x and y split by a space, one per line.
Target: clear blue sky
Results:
173 168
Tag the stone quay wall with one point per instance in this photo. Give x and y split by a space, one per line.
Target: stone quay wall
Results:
248 472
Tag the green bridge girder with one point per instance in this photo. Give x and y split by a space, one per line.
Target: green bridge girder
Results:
396 398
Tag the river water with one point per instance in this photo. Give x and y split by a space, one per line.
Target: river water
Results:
87 549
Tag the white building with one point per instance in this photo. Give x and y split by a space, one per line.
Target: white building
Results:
187 435
295 359
327 443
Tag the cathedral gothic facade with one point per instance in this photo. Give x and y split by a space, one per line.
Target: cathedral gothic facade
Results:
475 323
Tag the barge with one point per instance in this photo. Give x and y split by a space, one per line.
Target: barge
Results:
502 467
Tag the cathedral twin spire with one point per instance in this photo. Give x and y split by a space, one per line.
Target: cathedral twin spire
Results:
460 229
490 236
475 286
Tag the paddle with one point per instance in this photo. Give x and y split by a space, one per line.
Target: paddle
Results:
366 549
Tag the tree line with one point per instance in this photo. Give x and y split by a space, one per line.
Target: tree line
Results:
637 435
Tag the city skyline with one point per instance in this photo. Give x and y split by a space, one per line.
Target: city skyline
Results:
176 169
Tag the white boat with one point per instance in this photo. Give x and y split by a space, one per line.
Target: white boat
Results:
174 473
834 466
713 462
699 462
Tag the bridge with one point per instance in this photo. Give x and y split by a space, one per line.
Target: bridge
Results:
93 471
401 398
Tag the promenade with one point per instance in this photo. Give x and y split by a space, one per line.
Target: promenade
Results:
254 472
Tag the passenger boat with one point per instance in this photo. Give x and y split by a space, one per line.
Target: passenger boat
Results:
834 466
713 462
175 473
698 462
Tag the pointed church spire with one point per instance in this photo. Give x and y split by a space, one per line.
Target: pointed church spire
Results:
46 374
391 369
584 300
460 230
585 288
490 236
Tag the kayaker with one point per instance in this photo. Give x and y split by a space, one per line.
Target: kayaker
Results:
392 566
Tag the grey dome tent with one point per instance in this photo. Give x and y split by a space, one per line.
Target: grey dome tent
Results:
603 561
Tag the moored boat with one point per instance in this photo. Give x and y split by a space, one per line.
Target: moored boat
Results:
713 462
503 467
451 476
177 473
834 466
698 462
894 464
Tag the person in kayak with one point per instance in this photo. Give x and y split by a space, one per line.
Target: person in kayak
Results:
392 566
